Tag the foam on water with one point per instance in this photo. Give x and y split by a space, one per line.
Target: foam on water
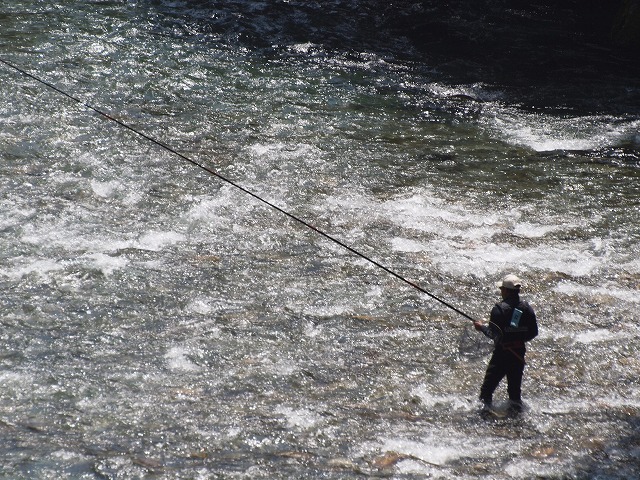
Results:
177 359
328 311
282 366
15 379
299 418
493 258
544 133
572 318
65 232
408 245
599 335
202 306
435 450
477 91
475 250
525 468
68 455
105 189
107 264
429 400
632 400
537 230
157 240
313 331
466 238
564 407
37 266
424 212
568 287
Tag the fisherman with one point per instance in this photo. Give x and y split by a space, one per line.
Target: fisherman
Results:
512 323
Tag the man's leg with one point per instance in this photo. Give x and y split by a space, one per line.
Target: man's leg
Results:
495 373
514 384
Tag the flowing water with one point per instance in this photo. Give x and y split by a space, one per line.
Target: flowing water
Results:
158 322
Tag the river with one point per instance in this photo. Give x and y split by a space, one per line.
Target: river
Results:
159 322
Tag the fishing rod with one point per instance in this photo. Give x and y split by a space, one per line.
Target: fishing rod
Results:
221 177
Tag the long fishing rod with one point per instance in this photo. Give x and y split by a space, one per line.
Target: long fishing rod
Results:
234 184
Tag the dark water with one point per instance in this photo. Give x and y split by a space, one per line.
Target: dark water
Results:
159 323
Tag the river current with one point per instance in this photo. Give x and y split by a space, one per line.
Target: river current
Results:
158 322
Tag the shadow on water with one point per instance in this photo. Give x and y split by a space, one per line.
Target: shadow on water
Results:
573 53
619 459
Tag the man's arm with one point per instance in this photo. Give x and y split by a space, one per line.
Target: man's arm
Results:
533 325
492 330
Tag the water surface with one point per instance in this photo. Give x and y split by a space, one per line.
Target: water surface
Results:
160 323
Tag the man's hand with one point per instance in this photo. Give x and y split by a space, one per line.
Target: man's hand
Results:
478 325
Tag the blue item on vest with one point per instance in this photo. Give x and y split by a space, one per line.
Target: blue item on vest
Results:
515 318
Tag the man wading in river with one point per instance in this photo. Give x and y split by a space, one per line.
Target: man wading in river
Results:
512 323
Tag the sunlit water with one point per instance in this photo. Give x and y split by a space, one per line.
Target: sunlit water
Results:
157 322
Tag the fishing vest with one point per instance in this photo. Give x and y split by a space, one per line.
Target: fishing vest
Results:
516 320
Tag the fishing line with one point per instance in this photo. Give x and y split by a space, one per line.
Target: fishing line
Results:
234 184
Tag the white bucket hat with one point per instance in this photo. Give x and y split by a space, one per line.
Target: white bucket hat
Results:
510 282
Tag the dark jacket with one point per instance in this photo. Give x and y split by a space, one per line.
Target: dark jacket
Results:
512 322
